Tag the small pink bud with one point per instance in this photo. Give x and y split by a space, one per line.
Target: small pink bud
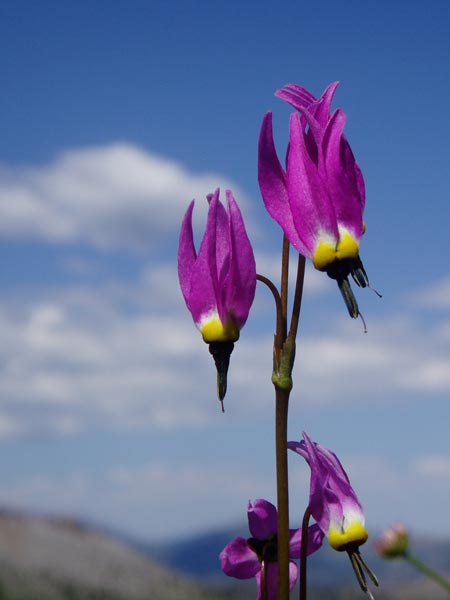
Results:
394 542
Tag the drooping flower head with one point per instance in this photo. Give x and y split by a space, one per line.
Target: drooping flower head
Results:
257 556
319 199
334 504
218 283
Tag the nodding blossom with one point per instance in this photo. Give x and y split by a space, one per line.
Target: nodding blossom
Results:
318 200
334 505
218 283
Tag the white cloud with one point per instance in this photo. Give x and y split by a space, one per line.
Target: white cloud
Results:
436 295
129 357
111 196
9 426
436 466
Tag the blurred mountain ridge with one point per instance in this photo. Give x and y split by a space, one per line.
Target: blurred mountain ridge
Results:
52 558
60 558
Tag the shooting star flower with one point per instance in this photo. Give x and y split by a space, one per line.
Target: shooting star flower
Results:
218 283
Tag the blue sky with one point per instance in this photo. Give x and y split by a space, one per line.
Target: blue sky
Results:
113 116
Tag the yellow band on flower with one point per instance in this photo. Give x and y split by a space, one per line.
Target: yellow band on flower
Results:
354 534
324 255
214 331
347 247
326 252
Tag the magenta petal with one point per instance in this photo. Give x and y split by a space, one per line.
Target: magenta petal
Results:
296 95
321 109
301 99
315 539
186 252
202 294
331 494
271 578
217 249
343 175
238 560
221 278
308 195
262 519
241 283
293 573
272 182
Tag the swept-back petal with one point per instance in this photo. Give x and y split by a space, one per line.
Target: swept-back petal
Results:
300 98
318 487
344 177
271 577
321 108
241 282
296 95
218 224
311 208
218 246
202 297
315 539
333 501
238 560
262 519
186 252
272 182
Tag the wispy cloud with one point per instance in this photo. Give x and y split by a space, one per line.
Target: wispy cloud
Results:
436 295
127 356
110 196
435 466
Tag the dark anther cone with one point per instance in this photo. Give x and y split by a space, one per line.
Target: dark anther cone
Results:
221 352
349 298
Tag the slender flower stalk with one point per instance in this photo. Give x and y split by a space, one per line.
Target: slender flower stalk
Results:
304 554
218 283
283 385
430 573
283 361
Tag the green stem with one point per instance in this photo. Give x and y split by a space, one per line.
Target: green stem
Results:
276 296
427 571
297 296
284 283
282 392
283 355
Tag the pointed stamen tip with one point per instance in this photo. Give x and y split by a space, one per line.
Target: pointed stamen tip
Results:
221 386
221 352
375 291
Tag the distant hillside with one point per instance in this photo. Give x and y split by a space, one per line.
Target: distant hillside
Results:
63 559
54 559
